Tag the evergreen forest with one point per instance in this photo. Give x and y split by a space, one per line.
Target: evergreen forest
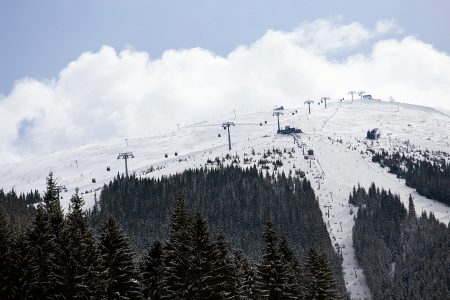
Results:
430 178
404 256
61 256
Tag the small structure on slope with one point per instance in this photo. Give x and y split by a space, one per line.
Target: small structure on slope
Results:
373 134
289 130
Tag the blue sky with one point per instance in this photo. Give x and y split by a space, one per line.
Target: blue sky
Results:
39 38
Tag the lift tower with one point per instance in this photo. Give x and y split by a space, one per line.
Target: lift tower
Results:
226 125
324 99
309 102
61 188
278 111
126 156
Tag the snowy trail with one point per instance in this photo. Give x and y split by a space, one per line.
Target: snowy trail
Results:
344 169
333 198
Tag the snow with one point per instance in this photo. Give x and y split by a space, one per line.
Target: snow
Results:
338 166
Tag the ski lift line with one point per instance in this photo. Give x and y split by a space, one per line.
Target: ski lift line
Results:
220 124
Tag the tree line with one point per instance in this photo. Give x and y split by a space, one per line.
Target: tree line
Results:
59 256
430 178
18 206
237 200
403 256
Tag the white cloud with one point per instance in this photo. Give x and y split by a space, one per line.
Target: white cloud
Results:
387 26
108 94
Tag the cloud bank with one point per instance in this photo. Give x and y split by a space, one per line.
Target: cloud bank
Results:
109 94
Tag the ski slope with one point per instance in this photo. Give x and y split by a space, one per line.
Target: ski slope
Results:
336 135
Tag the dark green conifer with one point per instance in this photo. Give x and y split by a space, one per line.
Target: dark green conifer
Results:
6 253
176 273
43 273
272 272
225 277
248 287
151 268
53 207
120 277
411 208
321 284
20 266
292 268
83 265
201 261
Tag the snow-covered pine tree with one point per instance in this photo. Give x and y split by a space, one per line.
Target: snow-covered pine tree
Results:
272 271
94 277
6 252
247 277
176 273
83 265
201 262
225 277
321 284
19 266
411 208
55 218
53 207
293 271
121 279
43 277
151 267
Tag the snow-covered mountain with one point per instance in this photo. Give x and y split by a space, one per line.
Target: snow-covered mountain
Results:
336 135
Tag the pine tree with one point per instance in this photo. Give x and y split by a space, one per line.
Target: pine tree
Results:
321 285
53 207
293 271
411 208
83 265
272 272
201 261
225 277
43 280
176 274
121 280
6 248
151 268
55 219
20 266
247 276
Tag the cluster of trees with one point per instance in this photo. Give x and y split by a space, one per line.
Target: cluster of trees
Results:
403 256
17 206
193 266
430 178
237 200
60 257
57 256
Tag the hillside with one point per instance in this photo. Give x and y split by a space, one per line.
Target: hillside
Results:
336 135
